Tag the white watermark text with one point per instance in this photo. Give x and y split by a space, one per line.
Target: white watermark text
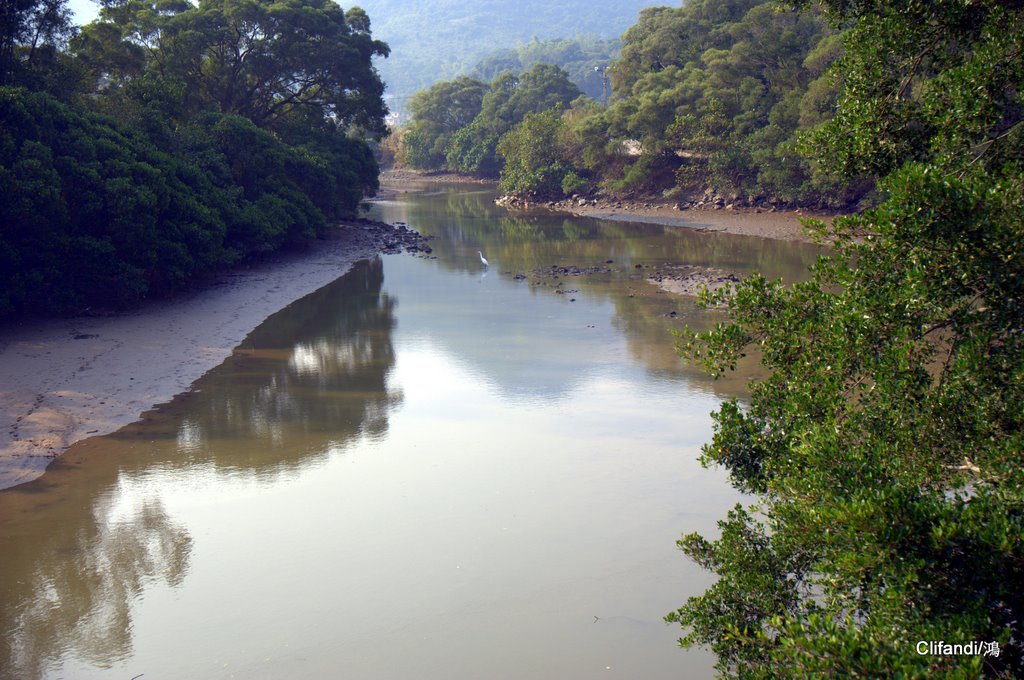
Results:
943 648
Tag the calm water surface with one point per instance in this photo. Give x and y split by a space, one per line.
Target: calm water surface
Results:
426 469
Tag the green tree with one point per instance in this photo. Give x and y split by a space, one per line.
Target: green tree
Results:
30 31
94 215
262 60
583 58
470 31
712 91
509 99
886 445
532 161
584 140
213 133
437 114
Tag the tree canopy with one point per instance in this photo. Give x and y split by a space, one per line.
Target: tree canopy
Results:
30 32
439 112
261 60
885 447
718 94
437 40
714 95
171 139
584 58
458 124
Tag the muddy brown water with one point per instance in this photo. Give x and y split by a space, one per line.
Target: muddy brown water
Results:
427 469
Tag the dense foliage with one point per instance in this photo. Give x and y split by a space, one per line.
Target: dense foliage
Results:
585 59
708 96
532 161
886 446
439 112
265 61
716 94
172 139
31 31
439 135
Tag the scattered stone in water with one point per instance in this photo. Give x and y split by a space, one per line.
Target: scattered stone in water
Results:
391 238
689 280
554 271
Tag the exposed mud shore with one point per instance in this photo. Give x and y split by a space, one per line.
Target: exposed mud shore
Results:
394 176
707 213
62 380
702 216
685 280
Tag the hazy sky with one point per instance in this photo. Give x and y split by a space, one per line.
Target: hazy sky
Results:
85 10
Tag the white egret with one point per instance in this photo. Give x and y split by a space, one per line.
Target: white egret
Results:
483 259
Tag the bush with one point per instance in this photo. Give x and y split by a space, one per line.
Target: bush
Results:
573 184
97 214
532 162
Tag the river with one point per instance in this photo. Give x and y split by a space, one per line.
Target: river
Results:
428 468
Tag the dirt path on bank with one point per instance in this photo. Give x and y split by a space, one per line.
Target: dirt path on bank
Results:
63 380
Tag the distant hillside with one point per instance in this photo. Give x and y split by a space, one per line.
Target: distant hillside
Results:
433 40
584 58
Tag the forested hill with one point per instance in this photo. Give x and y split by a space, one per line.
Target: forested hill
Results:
709 97
585 58
434 40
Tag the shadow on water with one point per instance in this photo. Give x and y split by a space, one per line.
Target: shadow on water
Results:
77 550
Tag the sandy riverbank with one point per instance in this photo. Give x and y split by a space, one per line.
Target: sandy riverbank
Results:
63 380
766 223
783 225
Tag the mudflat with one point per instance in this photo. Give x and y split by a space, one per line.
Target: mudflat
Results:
62 380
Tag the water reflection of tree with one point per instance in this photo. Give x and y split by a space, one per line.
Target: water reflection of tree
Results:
78 549
72 589
524 241
312 376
